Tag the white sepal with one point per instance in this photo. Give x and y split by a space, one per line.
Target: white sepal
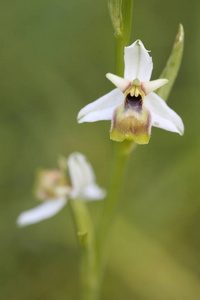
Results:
162 115
81 173
83 178
138 63
41 212
102 108
119 82
150 86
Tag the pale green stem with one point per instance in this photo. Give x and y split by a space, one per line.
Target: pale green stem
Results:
119 56
85 234
120 157
121 16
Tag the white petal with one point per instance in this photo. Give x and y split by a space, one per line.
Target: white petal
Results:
83 178
150 86
102 108
119 82
41 212
138 63
81 173
162 115
93 192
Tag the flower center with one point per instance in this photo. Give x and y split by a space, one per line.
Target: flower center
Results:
134 96
133 100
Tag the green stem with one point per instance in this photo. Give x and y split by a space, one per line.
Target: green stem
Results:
119 55
85 234
120 157
122 35
121 16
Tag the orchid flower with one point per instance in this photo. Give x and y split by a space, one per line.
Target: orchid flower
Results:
54 189
133 107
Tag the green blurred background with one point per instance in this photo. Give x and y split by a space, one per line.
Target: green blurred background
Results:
54 55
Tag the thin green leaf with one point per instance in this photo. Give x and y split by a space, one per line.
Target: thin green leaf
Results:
173 65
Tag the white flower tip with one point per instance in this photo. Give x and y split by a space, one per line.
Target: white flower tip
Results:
80 117
94 192
139 43
85 116
25 218
119 82
136 43
181 129
180 34
150 86
21 221
179 125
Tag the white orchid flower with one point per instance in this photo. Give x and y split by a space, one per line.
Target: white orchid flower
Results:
132 106
54 189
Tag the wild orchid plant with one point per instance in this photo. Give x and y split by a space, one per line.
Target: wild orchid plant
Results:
133 108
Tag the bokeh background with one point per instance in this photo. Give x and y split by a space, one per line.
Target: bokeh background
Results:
54 55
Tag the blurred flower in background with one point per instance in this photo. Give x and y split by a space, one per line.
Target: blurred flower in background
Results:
54 188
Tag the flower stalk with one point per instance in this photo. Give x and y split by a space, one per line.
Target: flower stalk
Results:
120 157
121 153
121 18
86 238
